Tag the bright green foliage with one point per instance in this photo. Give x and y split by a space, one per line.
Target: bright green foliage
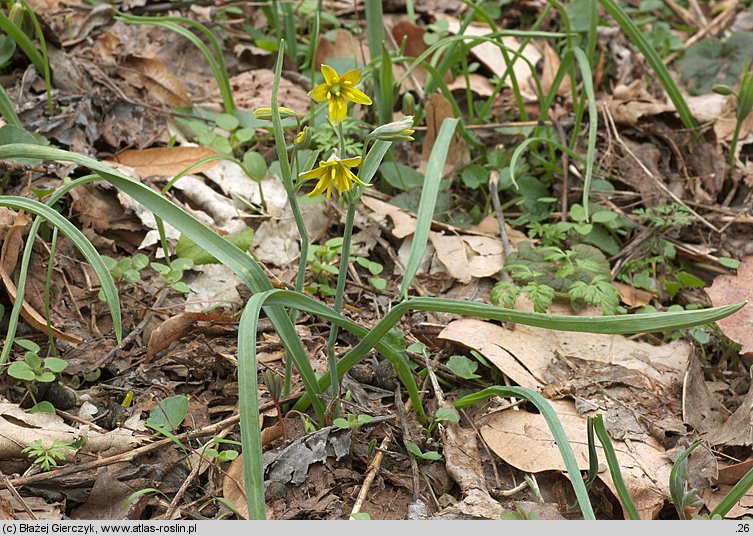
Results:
48 457
172 275
581 274
212 446
33 367
352 421
169 414
414 449
463 367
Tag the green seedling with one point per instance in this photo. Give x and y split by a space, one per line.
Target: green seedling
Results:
352 422
442 415
48 457
744 98
211 449
171 275
415 450
33 367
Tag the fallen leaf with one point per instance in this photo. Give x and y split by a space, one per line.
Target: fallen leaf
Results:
700 407
345 45
253 89
490 55
524 441
631 296
479 84
437 108
403 224
730 289
468 256
549 70
164 161
157 79
738 429
12 246
179 326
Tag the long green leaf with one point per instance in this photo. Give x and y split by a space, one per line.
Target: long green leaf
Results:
426 206
593 120
614 467
229 255
638 38
677 479
734 495
23 41
83 245
7 110
555 427
248 395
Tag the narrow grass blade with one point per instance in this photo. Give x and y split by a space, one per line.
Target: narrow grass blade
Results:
677 479
593 120
555 426
83 245
229 255
429 192
23 41
638 38
248 394
7 110
614 467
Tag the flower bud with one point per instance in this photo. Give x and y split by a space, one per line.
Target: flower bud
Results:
303 139
409 104
266 113
395 131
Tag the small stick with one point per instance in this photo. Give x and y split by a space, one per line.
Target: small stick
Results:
494 190
374 467
13 491
401 413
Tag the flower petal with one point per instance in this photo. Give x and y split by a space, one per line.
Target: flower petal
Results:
330 75
322 185
351 162
338 108
356 95
314 173
351 77
352 176
319 93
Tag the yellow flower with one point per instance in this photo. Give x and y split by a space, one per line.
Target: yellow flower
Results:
338 90
333 172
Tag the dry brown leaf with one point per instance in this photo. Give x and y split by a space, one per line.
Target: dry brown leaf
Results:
437 108
549 71
631 296
700 407
744 507
346 45
468 256
164 161
524 441
177 327
738 429
490 55
157 79
12 245
479 84
253 89
730 289
403 223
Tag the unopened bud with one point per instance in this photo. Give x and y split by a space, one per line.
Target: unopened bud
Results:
266 113
396 131
303 139
409 104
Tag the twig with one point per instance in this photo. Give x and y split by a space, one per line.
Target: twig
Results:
494 190
483 442
718 23
403 418
131 455
374 467
13 491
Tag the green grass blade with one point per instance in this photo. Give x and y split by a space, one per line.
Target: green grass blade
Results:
593 121
84 246
614 467
638 38
370 164
426 206
734 495
248 394
23 41
677 479
563 444
7 110
229 255
45 58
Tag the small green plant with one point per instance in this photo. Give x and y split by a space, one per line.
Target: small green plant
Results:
172 275
519 515
415 450
211 449
442 415
126 269
351 421
47 457
580 274
33 367
323 261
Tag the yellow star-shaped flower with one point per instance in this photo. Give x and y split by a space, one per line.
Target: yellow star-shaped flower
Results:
338 90
333 172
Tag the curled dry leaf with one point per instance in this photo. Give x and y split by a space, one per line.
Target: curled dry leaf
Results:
164 161
729 289
156 79
177 327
